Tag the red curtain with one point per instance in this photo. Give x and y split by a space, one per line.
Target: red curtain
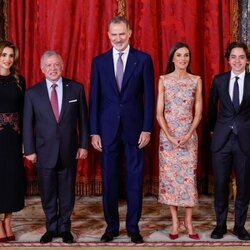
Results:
205 27
78 30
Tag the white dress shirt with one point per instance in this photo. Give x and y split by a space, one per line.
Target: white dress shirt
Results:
124 57
240 82
59 90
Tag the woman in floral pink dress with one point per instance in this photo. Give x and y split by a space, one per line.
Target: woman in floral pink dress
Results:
179 96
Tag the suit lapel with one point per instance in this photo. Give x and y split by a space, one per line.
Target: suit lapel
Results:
225 89
246 91
109 70
45 101
66 96
130 67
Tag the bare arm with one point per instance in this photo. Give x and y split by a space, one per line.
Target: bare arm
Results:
197 114
160 113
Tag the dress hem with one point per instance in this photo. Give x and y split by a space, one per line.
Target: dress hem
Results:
11 210
178 205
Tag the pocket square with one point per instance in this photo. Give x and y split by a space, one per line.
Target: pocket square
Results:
75 100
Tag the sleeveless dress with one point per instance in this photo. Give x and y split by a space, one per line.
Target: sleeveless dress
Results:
177 175
11 163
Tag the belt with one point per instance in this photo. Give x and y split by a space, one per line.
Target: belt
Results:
10 119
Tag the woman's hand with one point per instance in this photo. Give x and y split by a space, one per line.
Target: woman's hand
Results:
174 140
183 139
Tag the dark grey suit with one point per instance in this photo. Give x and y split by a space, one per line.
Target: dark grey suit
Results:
56 146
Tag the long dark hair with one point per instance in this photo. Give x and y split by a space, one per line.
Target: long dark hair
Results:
14 70
170 65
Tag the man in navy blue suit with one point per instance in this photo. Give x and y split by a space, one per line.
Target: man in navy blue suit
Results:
229 111
55 135
121 119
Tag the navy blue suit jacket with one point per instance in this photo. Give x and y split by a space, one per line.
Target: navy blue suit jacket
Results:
222 113
132 108
44 136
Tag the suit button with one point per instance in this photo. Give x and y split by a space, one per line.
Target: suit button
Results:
121 105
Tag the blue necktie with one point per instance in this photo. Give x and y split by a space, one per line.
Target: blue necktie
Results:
236 101
119 71
236 98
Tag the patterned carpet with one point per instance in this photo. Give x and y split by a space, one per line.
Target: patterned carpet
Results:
88 225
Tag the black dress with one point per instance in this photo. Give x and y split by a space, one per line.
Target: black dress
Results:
11 163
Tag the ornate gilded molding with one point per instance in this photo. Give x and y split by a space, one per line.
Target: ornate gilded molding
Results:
6 18
2 35
234 22
239 26
4 7
122 6
243 21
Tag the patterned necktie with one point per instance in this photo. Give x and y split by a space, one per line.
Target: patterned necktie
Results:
119 71
54 101
236 99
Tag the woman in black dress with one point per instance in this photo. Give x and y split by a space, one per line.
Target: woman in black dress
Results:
12 87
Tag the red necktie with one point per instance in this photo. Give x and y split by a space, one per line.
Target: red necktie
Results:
54 101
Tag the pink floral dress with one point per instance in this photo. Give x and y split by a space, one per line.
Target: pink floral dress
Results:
177 180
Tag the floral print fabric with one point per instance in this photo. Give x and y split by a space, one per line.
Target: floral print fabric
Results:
177 180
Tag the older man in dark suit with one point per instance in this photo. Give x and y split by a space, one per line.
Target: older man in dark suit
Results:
55 135
121 118
229 111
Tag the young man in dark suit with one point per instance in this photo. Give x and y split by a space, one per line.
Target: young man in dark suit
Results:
121 117
55 135
229 111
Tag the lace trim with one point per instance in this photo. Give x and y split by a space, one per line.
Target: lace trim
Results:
11 119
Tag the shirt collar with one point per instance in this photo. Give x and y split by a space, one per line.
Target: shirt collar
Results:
115 51
241 76
49 83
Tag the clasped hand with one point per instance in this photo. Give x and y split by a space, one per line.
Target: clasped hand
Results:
179 141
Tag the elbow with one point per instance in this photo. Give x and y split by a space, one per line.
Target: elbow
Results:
158 118
199 117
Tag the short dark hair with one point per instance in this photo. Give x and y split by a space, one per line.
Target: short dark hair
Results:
170 64
119 19
234 45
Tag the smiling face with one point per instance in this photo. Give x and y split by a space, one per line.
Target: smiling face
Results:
181 58
7 58
52 67
238 60
119 34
